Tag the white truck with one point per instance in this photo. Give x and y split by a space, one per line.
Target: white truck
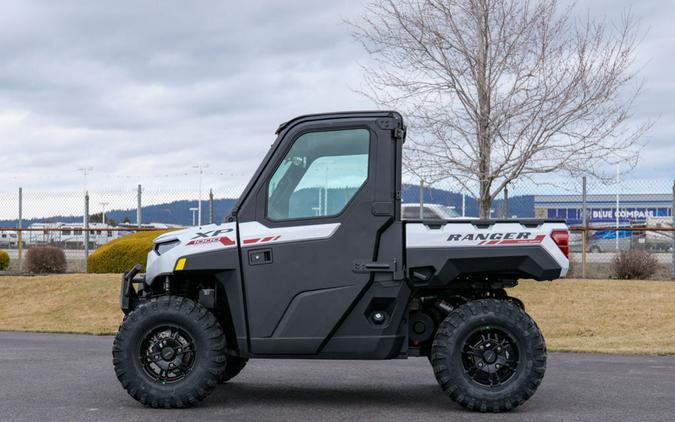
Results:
283 278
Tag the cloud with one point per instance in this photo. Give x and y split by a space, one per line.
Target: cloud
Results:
140 89
143 90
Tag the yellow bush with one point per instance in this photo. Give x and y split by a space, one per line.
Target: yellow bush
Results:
4 260
121 254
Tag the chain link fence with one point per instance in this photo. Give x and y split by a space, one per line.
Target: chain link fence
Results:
605 218
81 221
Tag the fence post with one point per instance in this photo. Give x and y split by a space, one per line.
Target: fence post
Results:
505 204
210 206
421 199
672 213
86 231
584 221
20 227
138 206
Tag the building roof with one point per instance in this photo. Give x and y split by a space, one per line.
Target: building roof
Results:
629 199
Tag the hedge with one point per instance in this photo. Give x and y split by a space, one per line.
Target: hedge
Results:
121 254
4 260
45 260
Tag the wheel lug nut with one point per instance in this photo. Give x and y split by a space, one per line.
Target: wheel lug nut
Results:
480 364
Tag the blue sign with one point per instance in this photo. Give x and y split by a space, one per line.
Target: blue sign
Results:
609 215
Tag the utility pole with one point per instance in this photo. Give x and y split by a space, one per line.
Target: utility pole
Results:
85 171
20 245
584 222
86 231
463 205
201 168
194 215
211 210
138 206
103 205
618 189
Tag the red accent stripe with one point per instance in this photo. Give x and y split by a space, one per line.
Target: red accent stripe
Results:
267 239
249 241
276 237
227 241
537 239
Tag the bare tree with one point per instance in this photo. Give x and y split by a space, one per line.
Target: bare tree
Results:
498 90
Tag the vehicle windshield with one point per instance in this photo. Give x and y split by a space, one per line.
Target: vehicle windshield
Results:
449 211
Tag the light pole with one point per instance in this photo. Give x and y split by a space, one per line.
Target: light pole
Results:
618 189
85 171
103 205
201 168
194 214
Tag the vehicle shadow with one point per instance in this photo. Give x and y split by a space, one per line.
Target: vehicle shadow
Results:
339 397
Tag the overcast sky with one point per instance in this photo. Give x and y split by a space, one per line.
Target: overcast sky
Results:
141 90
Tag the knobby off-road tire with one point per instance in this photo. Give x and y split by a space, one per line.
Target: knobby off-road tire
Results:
169 352
489 355
233 367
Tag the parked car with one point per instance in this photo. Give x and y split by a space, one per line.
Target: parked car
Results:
9 239
600 241
429 212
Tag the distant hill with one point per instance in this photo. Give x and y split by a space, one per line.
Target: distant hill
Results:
178 212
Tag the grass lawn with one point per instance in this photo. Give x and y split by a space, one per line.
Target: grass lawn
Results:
606 316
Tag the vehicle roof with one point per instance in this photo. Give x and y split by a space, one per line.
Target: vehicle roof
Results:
338 115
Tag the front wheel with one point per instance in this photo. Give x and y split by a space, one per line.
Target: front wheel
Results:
489 355
169 352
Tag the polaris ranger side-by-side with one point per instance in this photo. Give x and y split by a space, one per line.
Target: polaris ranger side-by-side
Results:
314 262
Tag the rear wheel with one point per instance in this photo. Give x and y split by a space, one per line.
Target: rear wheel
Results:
169 352
489 355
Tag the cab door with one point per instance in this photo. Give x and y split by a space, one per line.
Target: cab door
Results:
314 212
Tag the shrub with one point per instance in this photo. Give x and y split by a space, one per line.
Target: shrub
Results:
121 254
45 259
4 260
633 264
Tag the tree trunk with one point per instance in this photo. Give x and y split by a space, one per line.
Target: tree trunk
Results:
483 118
485 204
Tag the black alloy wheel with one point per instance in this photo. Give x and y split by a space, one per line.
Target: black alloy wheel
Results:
169 352
488 355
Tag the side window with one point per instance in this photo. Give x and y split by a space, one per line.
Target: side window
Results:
319 175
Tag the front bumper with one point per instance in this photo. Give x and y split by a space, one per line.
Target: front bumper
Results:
128 295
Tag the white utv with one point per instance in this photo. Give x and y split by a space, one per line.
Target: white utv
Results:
315 262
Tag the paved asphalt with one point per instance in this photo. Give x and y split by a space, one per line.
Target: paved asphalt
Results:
70 378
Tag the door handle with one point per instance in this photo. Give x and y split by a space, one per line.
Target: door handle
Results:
260 256
369 266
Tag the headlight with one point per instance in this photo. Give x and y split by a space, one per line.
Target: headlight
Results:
164 247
